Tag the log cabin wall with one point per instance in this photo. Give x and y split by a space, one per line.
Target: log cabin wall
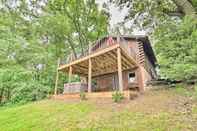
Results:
109 82
133 48
142 66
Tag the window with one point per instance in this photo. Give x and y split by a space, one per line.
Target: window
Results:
131 77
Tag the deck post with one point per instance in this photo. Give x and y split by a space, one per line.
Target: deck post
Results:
119 70
140 79
57 76
89 75
70 74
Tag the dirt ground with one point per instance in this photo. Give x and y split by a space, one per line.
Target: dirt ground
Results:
150 101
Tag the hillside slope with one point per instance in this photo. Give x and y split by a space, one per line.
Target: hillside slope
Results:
155 110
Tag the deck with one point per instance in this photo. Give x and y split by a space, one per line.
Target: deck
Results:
115 57
104 61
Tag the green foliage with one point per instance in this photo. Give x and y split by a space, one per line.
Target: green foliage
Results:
31 41
117 96
194 2
184 90
195 91
73 24
30 91
176 49
17 85
82 95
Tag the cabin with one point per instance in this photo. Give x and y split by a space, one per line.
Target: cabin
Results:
112 63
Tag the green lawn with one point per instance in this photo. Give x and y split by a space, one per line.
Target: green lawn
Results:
155 110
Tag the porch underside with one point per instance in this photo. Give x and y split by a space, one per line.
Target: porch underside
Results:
103 61
114 58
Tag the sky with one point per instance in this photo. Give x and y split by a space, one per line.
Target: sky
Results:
118 15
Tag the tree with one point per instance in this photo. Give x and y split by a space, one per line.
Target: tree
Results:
176 49
146 15
79 22
33 34
172 24
186 7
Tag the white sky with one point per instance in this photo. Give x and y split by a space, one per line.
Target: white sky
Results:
118 15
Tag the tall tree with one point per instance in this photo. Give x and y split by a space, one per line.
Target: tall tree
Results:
147 14
186 7
173 25
79 22
175 45
33 34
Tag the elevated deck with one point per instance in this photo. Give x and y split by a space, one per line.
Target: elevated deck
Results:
106 57
104 61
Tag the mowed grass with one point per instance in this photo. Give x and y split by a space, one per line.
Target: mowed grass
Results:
161 110
43 115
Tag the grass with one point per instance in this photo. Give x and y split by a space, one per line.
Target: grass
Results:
161 110
43 115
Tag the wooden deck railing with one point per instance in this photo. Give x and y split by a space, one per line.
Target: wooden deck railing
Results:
99 45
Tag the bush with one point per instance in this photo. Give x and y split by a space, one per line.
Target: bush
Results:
83 96
176 49
117 96
30 91
183 90
18 85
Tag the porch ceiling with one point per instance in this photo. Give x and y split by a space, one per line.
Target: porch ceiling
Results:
103 62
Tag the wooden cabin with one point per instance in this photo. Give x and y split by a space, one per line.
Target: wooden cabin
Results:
112 63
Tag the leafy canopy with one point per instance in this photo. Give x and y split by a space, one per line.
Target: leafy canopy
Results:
176 49
33 34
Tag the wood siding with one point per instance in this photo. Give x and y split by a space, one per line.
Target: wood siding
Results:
110 82
107 65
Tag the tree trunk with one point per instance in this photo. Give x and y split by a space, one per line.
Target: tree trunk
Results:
8 95
185 6
1 95
72 47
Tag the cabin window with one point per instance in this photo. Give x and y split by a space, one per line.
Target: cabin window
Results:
131 77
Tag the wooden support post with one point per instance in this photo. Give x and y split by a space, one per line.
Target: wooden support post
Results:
119 70
89 75
57 77
140 79
70 74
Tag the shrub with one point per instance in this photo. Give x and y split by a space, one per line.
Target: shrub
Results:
183 90
117 96
30 91
18 85
83 96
